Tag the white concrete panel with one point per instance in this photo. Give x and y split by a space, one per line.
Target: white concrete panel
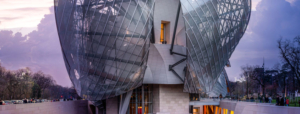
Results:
172 100
166 10
159 59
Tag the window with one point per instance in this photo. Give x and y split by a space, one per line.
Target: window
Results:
138 99
162 34
194 97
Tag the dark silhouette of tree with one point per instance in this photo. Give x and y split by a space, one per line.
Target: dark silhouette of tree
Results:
256 74
290 54
42 80
3 82
36 91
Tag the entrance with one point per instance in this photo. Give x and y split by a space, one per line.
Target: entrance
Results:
141 100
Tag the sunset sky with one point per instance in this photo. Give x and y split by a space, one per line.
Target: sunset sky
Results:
28 36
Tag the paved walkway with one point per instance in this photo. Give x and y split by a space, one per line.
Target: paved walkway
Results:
257 108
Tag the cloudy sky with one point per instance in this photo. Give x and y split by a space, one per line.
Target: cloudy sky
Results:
28 36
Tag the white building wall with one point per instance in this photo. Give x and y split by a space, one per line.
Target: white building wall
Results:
166 10
159 59
155 98
172 100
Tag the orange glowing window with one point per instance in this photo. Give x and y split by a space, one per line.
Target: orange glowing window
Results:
195 111
225 111
162 33
204 109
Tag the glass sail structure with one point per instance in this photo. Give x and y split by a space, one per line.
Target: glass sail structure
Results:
213 30
220 87
105 44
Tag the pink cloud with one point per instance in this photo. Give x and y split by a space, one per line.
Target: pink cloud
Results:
39 50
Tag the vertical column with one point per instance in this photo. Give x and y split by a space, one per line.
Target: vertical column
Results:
136 101
124 103
201 108
143 101
215 109
96 110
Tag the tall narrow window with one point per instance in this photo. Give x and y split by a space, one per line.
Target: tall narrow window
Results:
141 100
162 34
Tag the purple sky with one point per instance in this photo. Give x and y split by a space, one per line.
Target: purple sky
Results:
272 19
28 36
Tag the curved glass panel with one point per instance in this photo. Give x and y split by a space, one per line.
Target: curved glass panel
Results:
105 44
213 30
220 86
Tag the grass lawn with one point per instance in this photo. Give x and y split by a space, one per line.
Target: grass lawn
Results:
292 104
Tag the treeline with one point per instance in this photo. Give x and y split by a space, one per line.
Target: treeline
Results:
283 79
257 80
23 83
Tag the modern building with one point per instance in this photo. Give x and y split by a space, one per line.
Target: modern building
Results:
150 56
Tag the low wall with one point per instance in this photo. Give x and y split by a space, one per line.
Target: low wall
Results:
257 108
66 107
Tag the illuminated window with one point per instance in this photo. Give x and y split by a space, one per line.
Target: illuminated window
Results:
162 33
194 97
217 109
195 111
137 100
225 111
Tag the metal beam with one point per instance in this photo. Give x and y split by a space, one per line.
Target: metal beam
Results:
177 75
112 58
171 66
172 70
175 27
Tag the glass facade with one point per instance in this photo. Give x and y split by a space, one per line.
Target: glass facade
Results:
221 85
141 101
213 30
105 44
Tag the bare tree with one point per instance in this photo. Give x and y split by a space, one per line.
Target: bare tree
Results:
290 53
18 83
42 80
256 74
249 82
3 81
24 79
12 84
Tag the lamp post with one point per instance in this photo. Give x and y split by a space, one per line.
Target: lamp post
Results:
247 85
237 91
